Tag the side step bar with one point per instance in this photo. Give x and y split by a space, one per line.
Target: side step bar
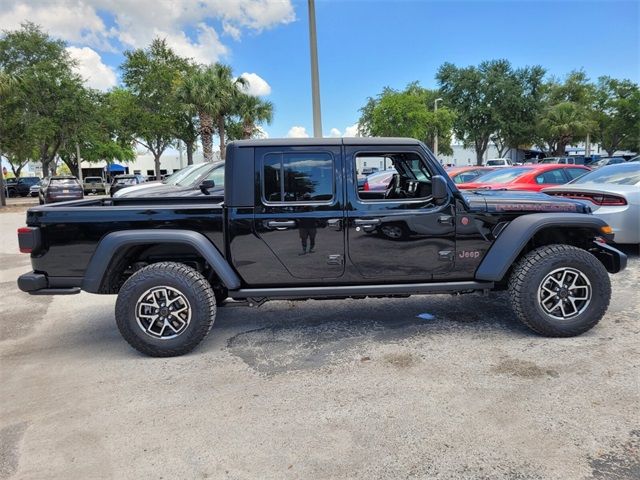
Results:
357 290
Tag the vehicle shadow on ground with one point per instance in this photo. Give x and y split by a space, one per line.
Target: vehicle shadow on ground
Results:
287 335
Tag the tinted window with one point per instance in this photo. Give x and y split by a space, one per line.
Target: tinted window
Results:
551 177
575 172
624 174
217 175
298 177
125 181
504 175
63 181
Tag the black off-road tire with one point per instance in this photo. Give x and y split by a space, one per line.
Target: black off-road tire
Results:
183 279
534 267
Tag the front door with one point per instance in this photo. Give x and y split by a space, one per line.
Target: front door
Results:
396 231
299 210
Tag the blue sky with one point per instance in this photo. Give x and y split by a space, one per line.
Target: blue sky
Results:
363 45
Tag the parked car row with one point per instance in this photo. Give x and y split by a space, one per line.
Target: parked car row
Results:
611 191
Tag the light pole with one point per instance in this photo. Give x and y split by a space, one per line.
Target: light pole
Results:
435 140
315 80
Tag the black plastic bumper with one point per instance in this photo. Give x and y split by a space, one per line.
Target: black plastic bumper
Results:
38 284
613 259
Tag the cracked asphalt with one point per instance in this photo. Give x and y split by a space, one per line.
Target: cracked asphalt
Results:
335 389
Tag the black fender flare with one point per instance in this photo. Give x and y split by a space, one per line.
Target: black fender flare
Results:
112 242
515 236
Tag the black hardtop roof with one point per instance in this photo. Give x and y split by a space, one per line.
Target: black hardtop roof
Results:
297 142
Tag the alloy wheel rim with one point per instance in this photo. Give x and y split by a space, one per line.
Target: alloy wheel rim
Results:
163 312
564 293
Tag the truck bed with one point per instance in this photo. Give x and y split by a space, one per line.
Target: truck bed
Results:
71 230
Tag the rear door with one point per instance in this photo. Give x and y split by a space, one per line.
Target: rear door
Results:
299 211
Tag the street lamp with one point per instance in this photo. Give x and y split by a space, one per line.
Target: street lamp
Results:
315 81
435 140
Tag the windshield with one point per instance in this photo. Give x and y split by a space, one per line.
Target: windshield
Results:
194 175
503 176
496 162
125 181
549 160
64 181
622 174
176 177
93 179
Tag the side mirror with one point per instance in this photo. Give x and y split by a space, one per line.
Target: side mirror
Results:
206 185
439 188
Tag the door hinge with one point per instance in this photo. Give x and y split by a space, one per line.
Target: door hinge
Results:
445 255
445 219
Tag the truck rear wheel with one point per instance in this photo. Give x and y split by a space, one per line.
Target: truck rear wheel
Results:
559 290
165 309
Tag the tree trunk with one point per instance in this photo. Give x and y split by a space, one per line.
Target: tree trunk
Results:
206 134
156 161
481 147
611 151
189 146
247 129
223 146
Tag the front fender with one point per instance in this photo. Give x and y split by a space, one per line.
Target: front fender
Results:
515 236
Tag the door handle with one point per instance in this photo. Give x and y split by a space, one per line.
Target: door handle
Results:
445 220
367 222
281 224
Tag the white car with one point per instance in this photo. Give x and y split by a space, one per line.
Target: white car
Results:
498 163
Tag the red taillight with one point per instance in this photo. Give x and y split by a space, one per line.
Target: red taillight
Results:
366 186
601 199
29 239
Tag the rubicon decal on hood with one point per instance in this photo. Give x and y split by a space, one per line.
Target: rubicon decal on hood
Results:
538 207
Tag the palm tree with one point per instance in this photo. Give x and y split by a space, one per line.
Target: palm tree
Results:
562 124
253 111
212 91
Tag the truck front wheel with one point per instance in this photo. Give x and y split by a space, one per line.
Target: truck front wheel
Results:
165 309
559 290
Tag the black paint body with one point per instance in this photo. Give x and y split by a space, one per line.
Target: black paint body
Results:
355 241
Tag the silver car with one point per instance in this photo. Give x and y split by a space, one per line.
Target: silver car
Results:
613 193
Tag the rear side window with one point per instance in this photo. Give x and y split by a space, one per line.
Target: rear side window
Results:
298 177
575 172
551 177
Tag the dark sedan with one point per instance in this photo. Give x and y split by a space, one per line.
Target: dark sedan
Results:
124 181
195 180
60 189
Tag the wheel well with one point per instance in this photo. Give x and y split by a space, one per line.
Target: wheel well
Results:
580 237
129 260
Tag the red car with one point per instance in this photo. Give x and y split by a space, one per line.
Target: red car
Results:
529 178
467 174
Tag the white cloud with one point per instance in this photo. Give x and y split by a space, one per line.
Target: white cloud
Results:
335 133
297 132
136 23
91 68
351 131
71 20
256 85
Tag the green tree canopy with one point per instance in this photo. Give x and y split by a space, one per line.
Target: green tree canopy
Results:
617 114
408 113
40 108
152 77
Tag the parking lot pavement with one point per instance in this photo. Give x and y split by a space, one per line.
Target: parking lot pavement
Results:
425 387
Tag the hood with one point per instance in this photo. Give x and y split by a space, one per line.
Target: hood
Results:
162 190
521 202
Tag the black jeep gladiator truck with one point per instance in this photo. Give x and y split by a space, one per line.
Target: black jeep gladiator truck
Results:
292 224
